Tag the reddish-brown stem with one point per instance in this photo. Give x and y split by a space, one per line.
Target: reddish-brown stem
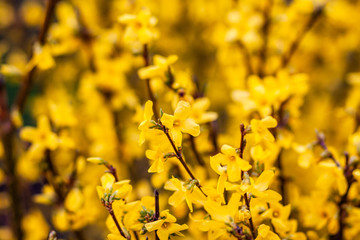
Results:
241 155
157 210
112 214
251 223
343 201
181 159
321 142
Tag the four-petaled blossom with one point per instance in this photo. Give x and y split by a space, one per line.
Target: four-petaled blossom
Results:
264 233
180 122
260 129
183 191
165 226
159 69
140 27
111 190
41 137
229 158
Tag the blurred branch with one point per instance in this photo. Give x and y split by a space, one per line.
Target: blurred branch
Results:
247 57
8 128
148 84
286 57
265 34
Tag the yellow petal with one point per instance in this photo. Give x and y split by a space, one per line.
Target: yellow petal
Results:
191 127
269 122
148 111
262 183
107 180
182 110
167 120
152 226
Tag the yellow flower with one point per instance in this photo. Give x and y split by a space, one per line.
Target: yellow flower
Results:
229 158
260 129
264 233
145 124
159 159
140 27
41 137
111 190
74 200
165 226
42 58
159 68
279 215
180 122
199 108
183 191
258 188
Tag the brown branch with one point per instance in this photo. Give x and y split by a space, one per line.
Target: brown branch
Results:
343 201
28 79
295 45
148 85
197 155
321 142
157 210
7 137
251 223
247 57
265 34
181 159
241 155
112 214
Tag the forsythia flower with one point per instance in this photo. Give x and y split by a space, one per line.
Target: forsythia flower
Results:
229 158
260 129
159 69
180 122
42 137
165 226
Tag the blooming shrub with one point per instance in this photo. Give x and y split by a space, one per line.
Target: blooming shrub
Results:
190 119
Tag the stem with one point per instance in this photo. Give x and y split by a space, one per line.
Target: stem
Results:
148 85
343 201
198 157
181 159
111 212
321 142
28 79
157 210
295 45
282 178
247 57
265 35
241 154
252 228
213 136
7 136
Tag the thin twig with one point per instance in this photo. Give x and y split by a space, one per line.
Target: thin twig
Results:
247 57
295 45
181 159
241 155
157 210
265 35
148 85
197 155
